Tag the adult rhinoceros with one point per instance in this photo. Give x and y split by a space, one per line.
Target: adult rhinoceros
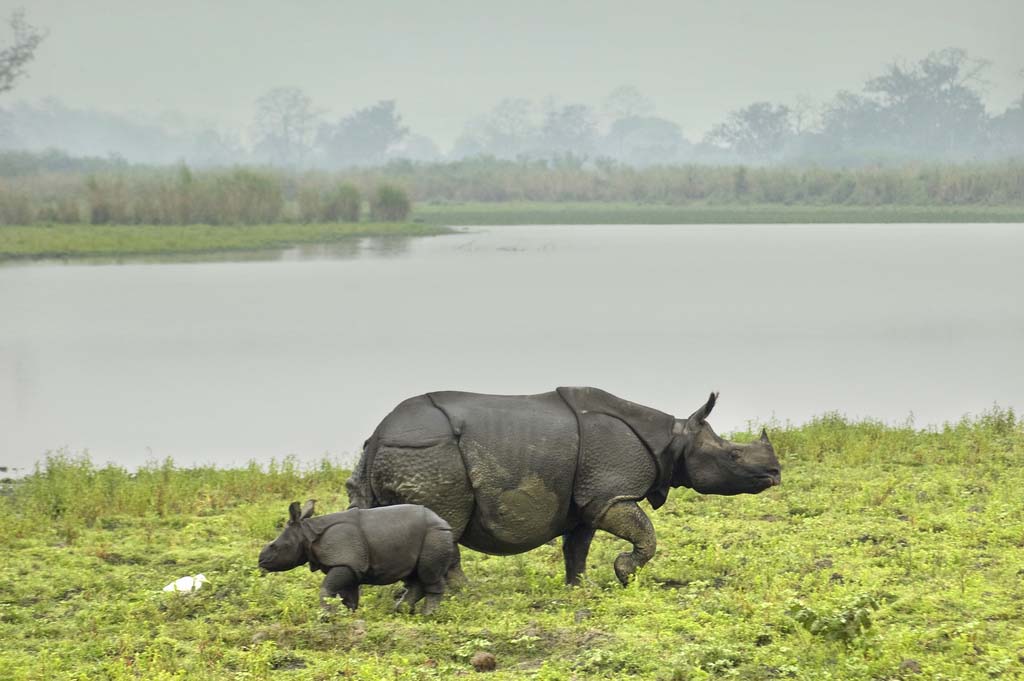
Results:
510 473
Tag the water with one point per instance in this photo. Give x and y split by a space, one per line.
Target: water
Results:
303 352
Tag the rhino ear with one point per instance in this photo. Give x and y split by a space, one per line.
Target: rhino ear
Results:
307 509
293 512
701 414
764 437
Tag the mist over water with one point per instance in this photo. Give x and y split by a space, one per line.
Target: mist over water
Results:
303 352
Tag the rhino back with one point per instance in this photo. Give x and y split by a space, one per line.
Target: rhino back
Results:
520 455
415 422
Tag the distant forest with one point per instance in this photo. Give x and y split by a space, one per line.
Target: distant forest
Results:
929 111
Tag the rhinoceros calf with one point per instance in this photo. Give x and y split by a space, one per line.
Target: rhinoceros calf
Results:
510 473
367 546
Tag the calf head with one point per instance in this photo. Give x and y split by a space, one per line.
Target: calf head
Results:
289 549
712 465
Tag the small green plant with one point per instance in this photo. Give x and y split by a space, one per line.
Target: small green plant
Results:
390 204
844 623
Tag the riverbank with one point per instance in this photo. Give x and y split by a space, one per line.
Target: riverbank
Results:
76 241
542 213
886 552
68 241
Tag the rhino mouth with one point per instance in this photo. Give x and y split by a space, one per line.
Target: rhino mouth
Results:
769 480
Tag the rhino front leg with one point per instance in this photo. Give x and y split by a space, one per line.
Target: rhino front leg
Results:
626 521
412 595
340 581
575 547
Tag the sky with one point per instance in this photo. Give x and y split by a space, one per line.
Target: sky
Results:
445 62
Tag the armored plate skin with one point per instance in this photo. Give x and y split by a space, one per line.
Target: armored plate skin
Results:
509 472
367 546
512 472
381 545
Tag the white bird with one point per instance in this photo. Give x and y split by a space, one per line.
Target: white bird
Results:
187 583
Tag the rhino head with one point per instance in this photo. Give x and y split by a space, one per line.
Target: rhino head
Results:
289 549
711 465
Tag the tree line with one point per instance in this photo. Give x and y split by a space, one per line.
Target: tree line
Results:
929 110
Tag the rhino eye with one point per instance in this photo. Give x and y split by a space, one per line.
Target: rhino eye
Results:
734 454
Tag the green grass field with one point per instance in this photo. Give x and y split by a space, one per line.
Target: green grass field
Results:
75 240
526 213
887 553
62 241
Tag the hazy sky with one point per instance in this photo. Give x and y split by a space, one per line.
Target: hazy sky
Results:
449 60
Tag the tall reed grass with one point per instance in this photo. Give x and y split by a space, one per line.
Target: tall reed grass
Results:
120 194
70 490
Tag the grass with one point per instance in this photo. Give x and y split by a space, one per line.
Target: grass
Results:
888 552
541 213
60 241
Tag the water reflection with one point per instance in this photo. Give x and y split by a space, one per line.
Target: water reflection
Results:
348 248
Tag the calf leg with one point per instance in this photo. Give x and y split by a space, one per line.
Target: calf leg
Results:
437 556
575 547
340 581
626 521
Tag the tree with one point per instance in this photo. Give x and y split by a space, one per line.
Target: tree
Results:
758 132
284 126
645 140
934 106
930 109
16 56
416 148
508 131
1008 131
626 101
567 130
364 136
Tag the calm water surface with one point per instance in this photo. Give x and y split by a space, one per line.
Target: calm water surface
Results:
303 352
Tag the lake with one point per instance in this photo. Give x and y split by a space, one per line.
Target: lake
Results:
304 351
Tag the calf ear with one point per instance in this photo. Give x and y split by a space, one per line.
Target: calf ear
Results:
307 509
764 437
293 512
701 414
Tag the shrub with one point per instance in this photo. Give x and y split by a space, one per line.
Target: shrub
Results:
15 208
344 204
107 202
243 196
390 204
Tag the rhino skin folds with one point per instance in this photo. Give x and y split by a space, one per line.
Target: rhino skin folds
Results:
510 473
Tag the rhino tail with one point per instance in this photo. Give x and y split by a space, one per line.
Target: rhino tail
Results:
360 492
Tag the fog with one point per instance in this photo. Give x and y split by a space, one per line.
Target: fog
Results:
643 83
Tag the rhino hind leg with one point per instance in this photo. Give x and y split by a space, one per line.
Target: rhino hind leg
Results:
626 521
575 548
439 557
